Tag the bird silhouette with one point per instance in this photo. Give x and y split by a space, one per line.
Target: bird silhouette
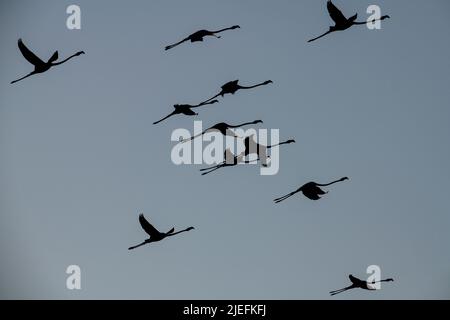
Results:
251 147
310 190
185 109
39 65
341 22
233 86
223 128
154 234
230 160
358 283
199 35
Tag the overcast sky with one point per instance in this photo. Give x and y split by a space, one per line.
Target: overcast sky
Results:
80 158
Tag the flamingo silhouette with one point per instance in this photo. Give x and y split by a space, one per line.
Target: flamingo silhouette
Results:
358 283
223 128
199 35
154 234
230 160
233 86
251 146
39 65
310 190
185 109
341 22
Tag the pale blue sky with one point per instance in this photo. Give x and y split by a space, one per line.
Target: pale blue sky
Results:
80 158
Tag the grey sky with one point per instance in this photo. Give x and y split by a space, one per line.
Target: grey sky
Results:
80 158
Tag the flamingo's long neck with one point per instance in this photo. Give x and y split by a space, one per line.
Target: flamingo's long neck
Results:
366 22
279 144
65 60
333 182
328 184
221 30
174 233
241 125
251 87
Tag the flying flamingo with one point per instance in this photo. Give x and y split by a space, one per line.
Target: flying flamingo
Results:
185 109
223 128
251 146
230 160
233 86
358 283
199 35
310 190
154 234
341 22
39 65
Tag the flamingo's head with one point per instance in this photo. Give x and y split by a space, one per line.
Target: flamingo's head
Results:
268 81
235 27
257 121
344 178
190 228
385 17
79 52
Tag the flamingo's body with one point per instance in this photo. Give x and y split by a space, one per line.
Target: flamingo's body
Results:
199 35
154 234
224 129
232 86
311 190
358 283
39 65
341 22
185 109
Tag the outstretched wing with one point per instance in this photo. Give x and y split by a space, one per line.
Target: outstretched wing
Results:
335 13
147 226
318 190
30 56
354 279
54 57
311 195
